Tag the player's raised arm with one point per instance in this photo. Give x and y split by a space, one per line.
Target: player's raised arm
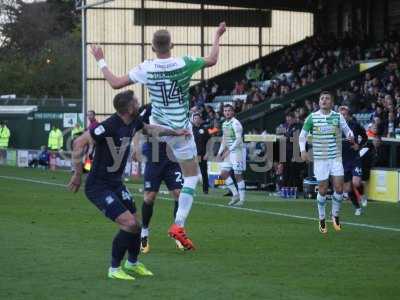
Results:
116 82
212 59
78 150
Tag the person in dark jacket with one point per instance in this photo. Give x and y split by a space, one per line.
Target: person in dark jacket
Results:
201 137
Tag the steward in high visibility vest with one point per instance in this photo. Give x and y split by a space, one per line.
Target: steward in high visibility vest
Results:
76 131
4 135
56 139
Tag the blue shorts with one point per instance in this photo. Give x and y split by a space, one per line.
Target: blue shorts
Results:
113 199
352 169
165 170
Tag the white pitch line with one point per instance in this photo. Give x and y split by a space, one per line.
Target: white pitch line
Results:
268 212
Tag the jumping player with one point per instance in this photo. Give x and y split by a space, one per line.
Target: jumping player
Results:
104 187
351 159
326 126
158 167
233 154
167 80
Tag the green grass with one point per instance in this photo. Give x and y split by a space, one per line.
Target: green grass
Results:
55 245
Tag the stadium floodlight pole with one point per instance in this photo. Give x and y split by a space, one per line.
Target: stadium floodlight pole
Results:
84 64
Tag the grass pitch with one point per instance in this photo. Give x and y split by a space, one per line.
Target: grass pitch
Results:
56 245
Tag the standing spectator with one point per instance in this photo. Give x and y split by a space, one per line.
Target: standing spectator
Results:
291 168
92 119
4 140
201 137
56 139
76 131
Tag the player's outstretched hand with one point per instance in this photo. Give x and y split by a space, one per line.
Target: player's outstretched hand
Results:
221 29
183 132
97 52
75 183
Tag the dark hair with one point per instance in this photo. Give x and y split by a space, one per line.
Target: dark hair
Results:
121 101
326 93
291 114
92 111
229 106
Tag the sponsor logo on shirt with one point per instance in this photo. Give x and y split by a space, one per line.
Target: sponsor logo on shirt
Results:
326 129
99 130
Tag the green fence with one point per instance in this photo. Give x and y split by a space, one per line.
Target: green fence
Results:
30 131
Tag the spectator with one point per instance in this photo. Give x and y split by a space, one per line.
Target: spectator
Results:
42 160
4 135
56 139
4 140
76 131
201 137
291 168
239 88
91 114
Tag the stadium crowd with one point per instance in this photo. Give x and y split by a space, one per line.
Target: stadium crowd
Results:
373 98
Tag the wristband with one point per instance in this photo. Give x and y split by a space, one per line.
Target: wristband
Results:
102 63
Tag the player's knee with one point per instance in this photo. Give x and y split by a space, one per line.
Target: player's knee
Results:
175 193
356 182
339 189
238 176
149 197
191 181
129 223
224 174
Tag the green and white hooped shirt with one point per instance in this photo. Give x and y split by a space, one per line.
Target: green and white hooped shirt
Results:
326 130
167 81
232 136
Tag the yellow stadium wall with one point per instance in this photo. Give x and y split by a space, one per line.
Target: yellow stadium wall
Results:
383 185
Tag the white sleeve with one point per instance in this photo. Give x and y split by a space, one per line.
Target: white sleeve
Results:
222 146
138 74
237 127
303 140
345 128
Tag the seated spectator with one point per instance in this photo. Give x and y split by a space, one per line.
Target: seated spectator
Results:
42 160
239 88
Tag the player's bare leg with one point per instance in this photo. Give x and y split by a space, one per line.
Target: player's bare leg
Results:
226 176
190 176
337 199
175 194
241 187
321 203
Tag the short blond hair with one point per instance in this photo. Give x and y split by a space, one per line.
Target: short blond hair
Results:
162 41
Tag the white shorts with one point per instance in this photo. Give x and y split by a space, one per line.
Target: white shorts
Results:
324 168
183 147
236 161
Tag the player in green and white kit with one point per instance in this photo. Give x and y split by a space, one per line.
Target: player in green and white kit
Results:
233 154
167 79
326 127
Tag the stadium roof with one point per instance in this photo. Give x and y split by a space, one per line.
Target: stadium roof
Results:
292 5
